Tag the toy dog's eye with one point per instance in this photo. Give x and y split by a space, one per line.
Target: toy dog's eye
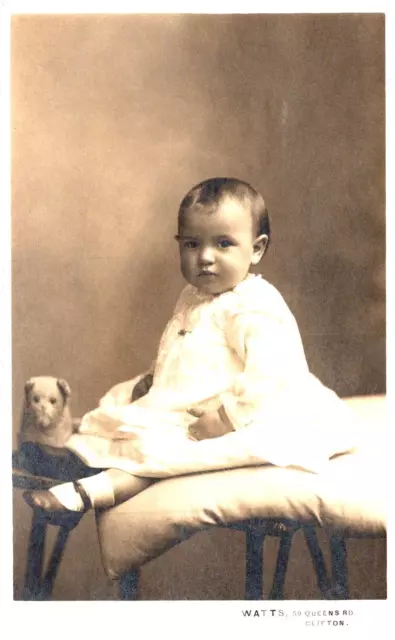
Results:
36 398
52 400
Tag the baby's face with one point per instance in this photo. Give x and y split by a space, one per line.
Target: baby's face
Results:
217 249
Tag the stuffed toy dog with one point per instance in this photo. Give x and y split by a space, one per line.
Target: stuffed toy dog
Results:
46 418
45 428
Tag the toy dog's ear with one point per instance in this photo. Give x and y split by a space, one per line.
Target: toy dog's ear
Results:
64 388
29 384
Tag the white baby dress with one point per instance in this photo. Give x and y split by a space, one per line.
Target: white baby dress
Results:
241 350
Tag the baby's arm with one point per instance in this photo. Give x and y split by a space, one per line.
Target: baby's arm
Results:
255 339
273 360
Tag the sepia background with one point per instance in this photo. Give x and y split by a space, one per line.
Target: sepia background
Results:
114 118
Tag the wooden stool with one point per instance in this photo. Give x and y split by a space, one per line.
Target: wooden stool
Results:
39 586
256 532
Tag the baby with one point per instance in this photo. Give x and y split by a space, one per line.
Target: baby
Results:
230 385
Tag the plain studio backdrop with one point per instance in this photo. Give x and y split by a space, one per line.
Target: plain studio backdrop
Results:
114 118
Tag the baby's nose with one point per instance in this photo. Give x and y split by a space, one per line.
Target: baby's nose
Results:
206 255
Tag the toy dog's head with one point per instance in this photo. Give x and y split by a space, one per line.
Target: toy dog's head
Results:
45 401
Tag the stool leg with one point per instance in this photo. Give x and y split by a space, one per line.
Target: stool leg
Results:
339 567
318 561
56 558
254 565
129 585
277 591
35 559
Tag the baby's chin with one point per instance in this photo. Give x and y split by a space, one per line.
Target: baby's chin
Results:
213 289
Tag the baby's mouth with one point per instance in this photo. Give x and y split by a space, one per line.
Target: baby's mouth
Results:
206 273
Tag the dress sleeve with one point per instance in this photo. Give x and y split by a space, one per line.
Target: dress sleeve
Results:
272 352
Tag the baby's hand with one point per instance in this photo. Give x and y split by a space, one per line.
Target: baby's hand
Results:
209 425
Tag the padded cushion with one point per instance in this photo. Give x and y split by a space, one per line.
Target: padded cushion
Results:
349 496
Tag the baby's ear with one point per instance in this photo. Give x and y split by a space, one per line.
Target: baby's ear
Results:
260 244
29 385
64 388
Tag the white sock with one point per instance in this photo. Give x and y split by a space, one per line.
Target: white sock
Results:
68 496
99 489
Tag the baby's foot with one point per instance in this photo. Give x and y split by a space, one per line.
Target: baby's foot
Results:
44 500
49 509
69 497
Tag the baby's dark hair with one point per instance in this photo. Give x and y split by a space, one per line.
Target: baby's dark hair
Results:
208 194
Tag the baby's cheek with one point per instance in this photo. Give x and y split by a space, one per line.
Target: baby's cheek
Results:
186 267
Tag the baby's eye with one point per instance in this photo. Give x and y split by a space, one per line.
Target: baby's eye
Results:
224 244
191 244
52 400
36 398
